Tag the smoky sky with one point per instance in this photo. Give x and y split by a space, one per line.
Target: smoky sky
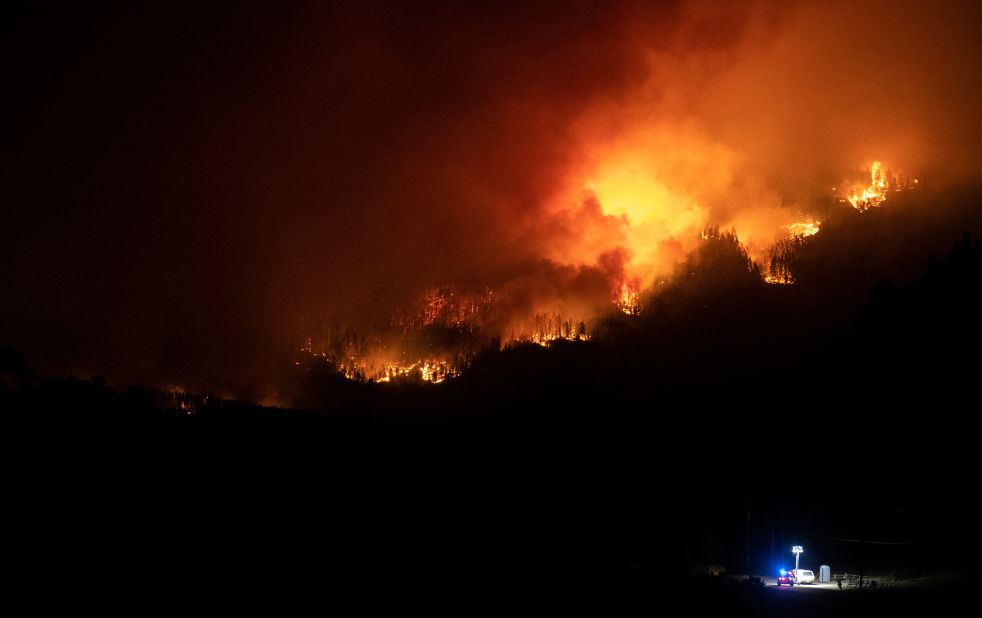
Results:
185 184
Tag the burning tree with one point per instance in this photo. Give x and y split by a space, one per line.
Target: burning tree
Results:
784 261
882 181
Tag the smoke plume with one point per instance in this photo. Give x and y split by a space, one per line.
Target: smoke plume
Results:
191 188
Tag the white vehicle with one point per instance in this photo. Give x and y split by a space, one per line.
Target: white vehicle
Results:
803 576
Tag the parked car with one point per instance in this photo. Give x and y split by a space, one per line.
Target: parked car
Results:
803 576
785 579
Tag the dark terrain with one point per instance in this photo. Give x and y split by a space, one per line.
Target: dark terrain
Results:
726 423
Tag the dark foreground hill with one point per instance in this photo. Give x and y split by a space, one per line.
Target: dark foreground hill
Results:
611 473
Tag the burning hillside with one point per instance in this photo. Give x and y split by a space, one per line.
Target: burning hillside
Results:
882 181
437 333
436 336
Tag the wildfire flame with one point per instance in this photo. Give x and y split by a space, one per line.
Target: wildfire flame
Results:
803 229
629 299
436 338
881 183
434 371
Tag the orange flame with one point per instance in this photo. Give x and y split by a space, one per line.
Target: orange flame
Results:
881 183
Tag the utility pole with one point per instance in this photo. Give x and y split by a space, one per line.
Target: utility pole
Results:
797 549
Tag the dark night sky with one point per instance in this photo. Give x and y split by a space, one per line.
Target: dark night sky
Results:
183 182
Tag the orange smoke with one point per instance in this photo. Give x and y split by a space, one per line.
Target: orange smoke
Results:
650 191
